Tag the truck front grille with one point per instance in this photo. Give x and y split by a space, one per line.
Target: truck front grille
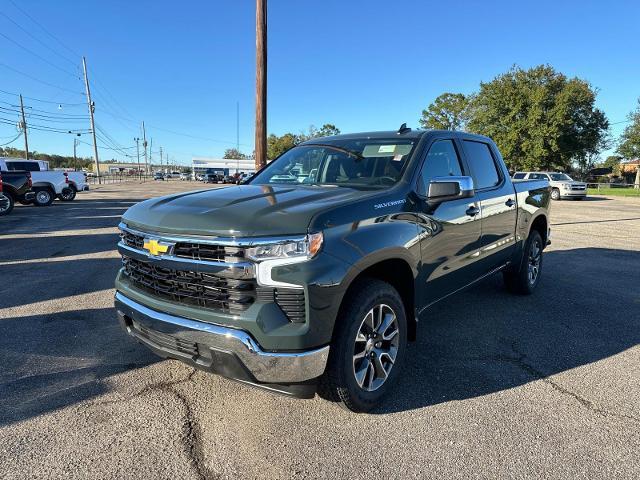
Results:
194 288
166 341
132 240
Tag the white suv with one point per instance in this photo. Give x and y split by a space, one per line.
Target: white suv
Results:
562 185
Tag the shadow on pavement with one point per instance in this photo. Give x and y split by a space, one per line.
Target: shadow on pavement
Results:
486 340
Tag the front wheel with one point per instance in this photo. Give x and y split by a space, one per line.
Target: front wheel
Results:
368 348
555 194
526 279
44 197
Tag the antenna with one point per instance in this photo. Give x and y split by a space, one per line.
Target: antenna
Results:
403 129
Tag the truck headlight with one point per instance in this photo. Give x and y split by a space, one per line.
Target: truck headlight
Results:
304 248
566 186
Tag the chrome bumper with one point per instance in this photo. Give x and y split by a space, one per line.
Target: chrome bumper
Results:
265 367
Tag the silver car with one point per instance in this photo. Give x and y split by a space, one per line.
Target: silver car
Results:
562 185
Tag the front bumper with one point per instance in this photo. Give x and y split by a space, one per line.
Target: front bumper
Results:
227 351
573 193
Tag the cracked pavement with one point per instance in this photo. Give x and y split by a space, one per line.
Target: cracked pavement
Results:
496 386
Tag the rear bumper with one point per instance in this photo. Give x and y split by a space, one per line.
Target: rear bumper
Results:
229 352
29 196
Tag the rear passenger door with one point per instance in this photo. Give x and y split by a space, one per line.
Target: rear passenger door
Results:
497 203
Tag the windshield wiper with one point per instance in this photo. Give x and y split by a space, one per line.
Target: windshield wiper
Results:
351 153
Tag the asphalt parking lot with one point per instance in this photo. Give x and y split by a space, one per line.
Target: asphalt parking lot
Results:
496 386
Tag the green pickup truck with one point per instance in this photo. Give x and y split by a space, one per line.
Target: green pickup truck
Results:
314 274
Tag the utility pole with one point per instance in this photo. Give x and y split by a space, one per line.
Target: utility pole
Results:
144 144
92 108
160 158
75 145
151 154
23 127
238 136
137 140
261 84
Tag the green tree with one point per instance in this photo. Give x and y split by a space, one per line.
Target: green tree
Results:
276 145
234 153
629 146
611 161
449 111
540 119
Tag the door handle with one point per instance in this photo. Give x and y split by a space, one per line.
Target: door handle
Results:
472 211
510 203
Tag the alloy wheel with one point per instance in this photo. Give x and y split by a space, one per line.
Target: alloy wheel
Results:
535 257
376 347
43 196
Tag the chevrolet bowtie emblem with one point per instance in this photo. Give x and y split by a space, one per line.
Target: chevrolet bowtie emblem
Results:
154 247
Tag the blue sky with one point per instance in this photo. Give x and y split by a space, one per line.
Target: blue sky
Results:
361 65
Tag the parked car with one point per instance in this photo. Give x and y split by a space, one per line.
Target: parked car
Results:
15 186
185 176
210 178
293 287
48 184
228 179
158 176
562 185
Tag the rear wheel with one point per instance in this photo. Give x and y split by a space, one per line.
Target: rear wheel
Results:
368 349
526 279
6 203
68 193
44 196
555 194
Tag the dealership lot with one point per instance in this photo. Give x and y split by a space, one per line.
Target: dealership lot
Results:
496 386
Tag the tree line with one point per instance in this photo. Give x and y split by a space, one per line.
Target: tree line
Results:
540 119
55 161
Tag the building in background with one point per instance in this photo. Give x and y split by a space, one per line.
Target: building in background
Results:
224 166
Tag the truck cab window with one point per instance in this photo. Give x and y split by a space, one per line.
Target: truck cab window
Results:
441 161
482 164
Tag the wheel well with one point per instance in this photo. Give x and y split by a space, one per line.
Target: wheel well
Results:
398 274
540 225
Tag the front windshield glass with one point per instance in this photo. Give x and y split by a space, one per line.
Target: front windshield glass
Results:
558 177
366 163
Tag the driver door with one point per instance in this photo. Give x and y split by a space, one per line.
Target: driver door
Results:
449 231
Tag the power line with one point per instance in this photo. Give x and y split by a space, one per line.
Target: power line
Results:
40 81
45 30
9 143
45 101
38 56
48 47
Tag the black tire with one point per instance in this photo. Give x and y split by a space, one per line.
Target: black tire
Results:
6 206
44 196
339 383
68 194
555 194
519 281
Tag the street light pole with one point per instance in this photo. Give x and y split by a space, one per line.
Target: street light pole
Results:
91 111
137 140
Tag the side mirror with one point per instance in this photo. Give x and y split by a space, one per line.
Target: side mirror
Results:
442 189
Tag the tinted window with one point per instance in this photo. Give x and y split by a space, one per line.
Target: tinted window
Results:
519 176
482 164
538 176
442 161
29 166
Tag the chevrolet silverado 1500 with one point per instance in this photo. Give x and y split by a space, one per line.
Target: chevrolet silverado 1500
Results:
314 274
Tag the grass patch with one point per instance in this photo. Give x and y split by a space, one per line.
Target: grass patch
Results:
617 192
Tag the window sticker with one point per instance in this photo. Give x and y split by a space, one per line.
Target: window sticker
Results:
386 149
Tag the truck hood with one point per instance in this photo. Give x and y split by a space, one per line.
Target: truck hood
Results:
239 211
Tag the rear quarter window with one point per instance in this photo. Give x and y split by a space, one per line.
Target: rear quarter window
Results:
483 166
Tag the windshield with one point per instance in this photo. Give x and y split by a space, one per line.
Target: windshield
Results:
372 163
558 177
